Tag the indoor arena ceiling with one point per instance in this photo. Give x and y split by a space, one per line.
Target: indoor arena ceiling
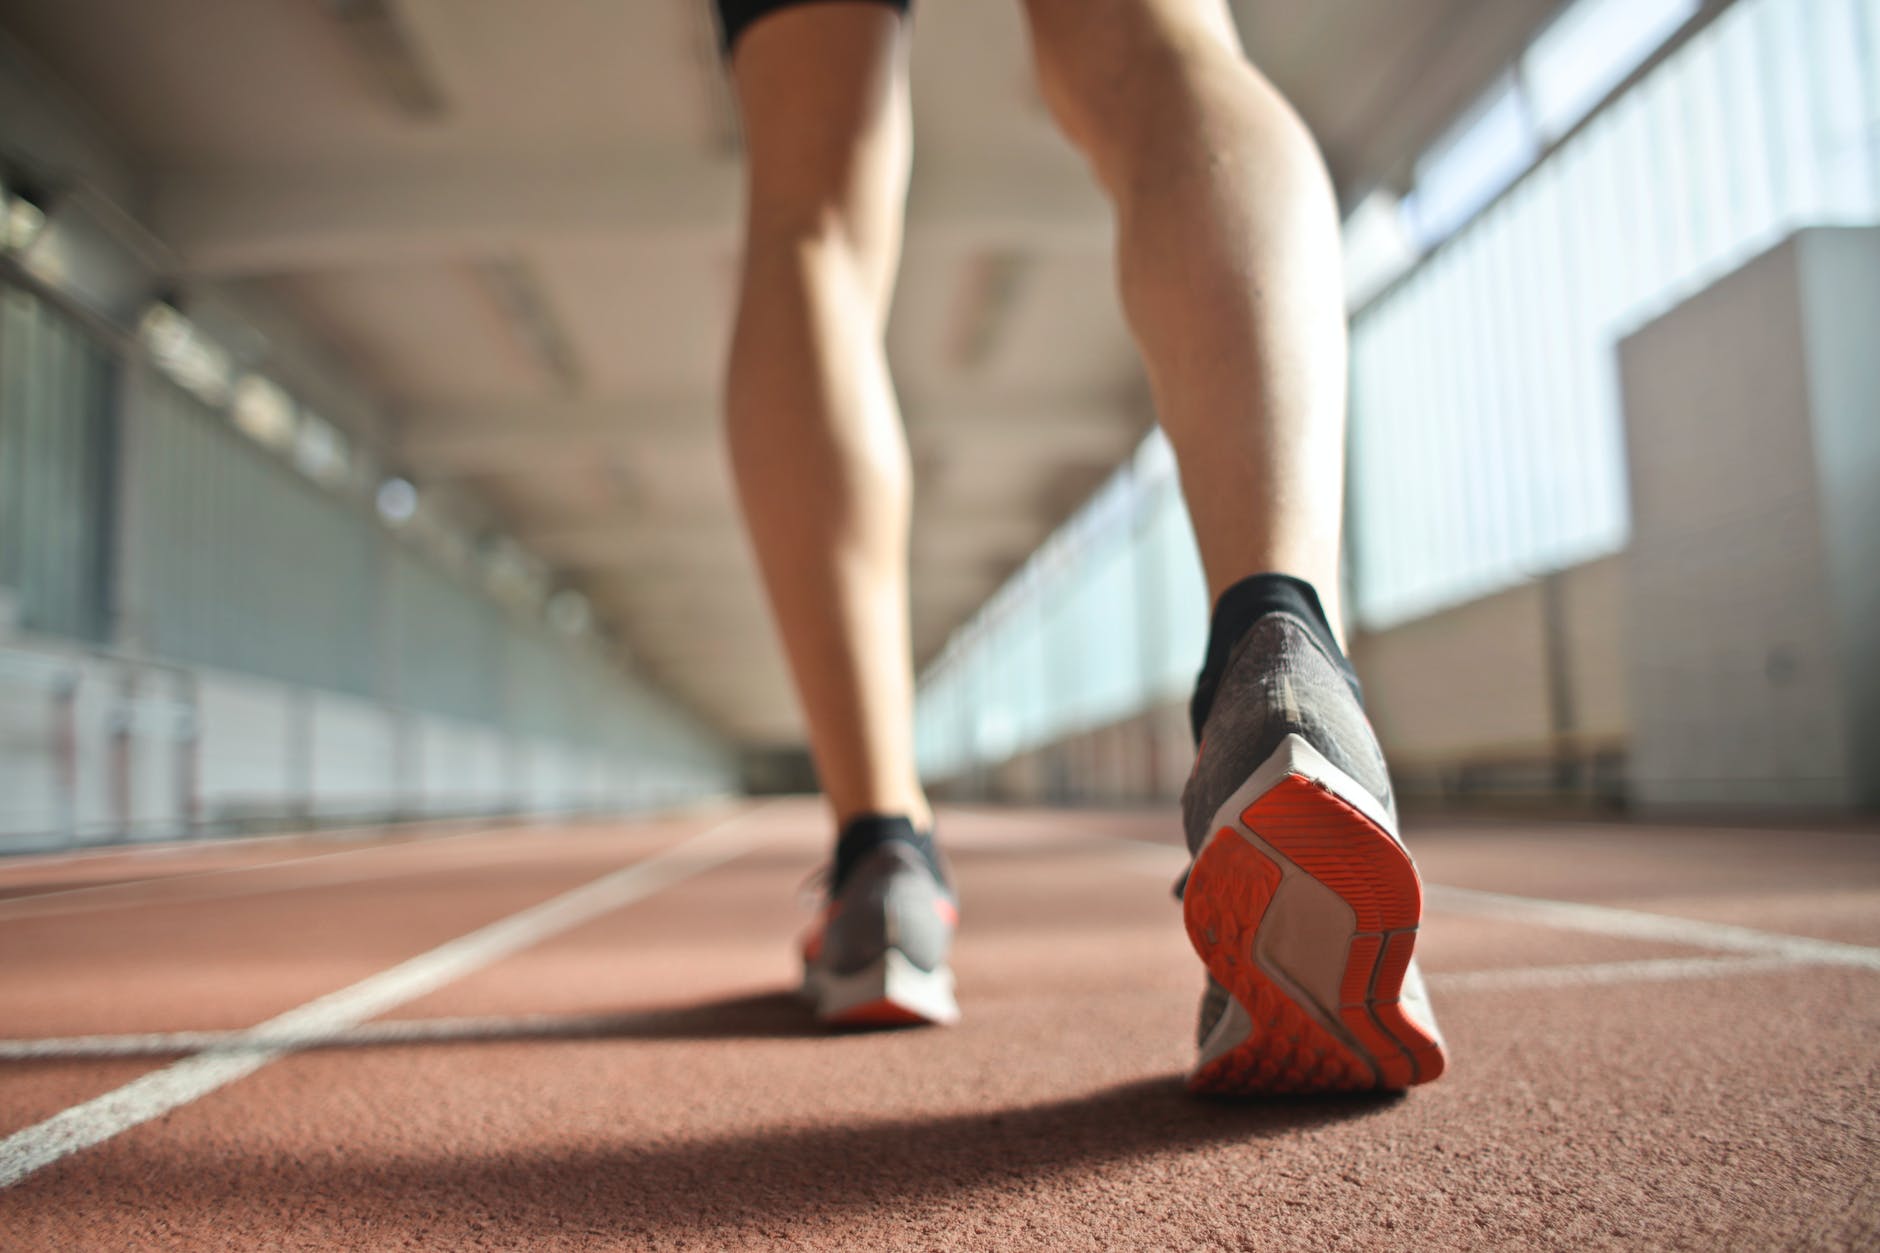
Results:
513 224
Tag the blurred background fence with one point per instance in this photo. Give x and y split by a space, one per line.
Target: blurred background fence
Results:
214 627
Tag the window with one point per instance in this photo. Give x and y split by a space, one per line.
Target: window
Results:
1729 144
1378 247
1492 146
1588 50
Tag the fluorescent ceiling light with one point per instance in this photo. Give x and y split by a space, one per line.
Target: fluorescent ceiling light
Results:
397 501
264 412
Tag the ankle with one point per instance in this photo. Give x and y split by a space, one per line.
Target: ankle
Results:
916 810
862 834
1239 607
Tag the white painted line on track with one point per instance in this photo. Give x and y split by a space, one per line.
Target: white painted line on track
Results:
396 1031
1637 924
626 1025
1634 924
366 1035
28 904
25 904
1601 974
176 1085
247 888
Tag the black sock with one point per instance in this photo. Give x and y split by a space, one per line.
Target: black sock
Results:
869 832
1245 603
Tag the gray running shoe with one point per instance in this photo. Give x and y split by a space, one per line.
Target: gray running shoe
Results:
877 956
1301 899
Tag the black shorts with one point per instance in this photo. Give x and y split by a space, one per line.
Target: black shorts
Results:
735 15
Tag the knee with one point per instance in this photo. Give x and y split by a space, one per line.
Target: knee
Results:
833 187
823 98
818 225
832 220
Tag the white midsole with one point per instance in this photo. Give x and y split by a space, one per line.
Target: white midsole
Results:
892 978
1296 756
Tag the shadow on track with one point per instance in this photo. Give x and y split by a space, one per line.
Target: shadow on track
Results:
761 1016
708 1192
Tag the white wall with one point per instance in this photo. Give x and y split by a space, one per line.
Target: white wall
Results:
1841 313
1517 682
1738 663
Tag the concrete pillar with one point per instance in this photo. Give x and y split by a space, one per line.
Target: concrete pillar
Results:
1753 602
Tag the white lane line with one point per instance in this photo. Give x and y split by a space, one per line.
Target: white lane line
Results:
1601 974
235 891
626 1025
1638 925
1632 924
160 850
134 1044
176 1085
26 904
395 1031
16 908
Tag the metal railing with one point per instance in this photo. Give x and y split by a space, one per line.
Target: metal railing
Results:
78 730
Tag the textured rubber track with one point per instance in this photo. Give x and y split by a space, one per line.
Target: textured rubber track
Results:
1228 894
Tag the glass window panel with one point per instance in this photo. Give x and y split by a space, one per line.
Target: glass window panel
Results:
1747 114
1846 134
1473 164
1484 488
1640 229
1589 49
1530 417
1378 247
1866 22
1679 197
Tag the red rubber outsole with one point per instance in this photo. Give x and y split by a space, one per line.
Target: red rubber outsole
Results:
881 1013
1227 896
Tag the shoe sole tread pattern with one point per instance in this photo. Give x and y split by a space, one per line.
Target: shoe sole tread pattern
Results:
1232 885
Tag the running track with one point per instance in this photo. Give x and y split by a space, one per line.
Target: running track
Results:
574 1037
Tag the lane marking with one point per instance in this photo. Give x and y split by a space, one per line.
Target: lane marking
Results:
397 1031
1637 924
366 1035
158 850
23 904
181 1082
27 907
237 891
392 840
626 1025
1604 974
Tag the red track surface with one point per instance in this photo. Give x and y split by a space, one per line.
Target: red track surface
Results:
639 1080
